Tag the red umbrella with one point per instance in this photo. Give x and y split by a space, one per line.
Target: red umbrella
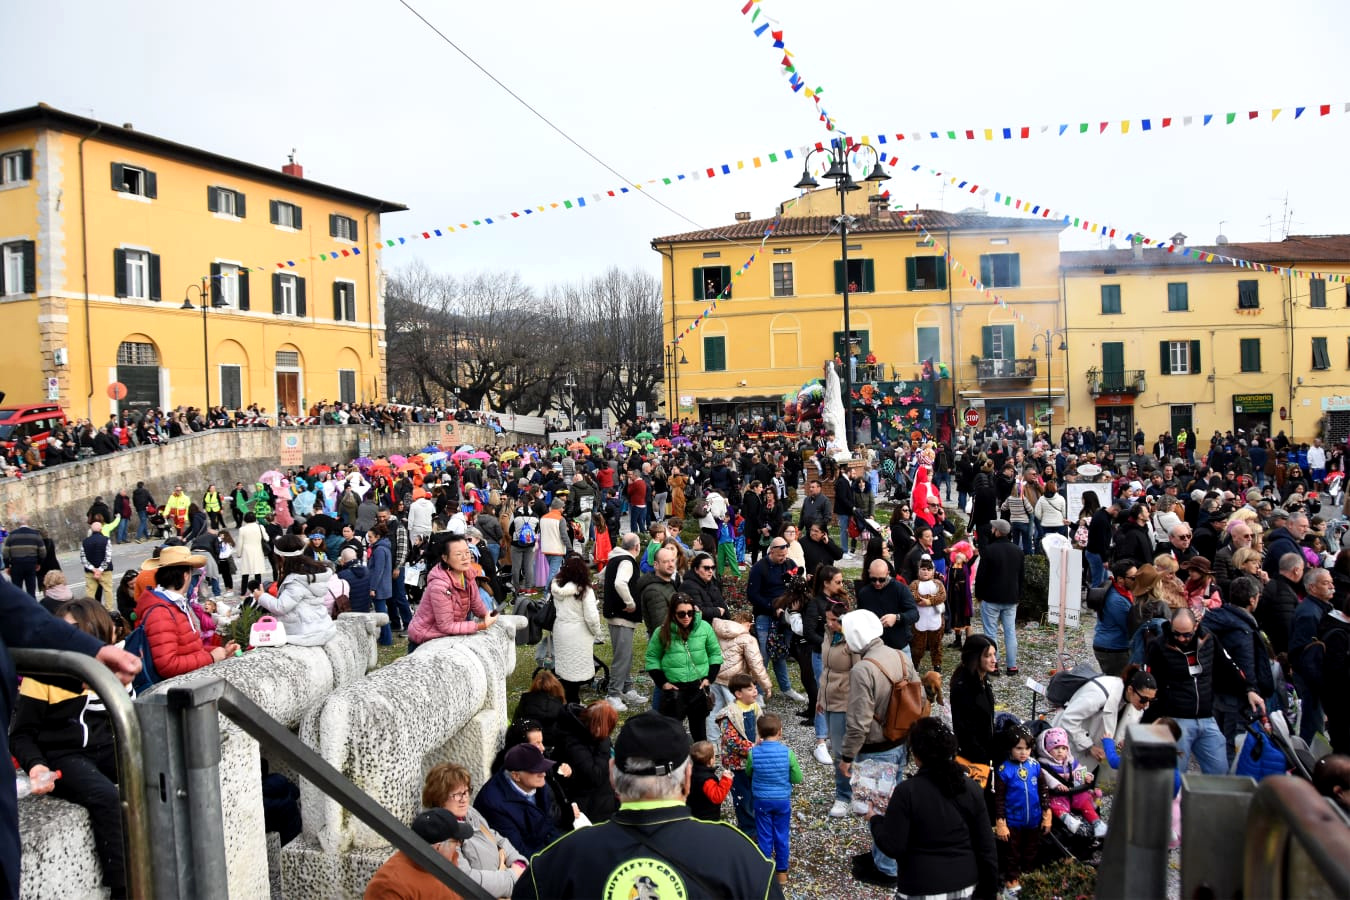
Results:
662 442
319 469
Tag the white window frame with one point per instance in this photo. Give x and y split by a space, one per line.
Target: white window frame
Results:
1179 357
289 292
226 197
137 273
14 273
12 171
791 278
229 284
137 189
286 210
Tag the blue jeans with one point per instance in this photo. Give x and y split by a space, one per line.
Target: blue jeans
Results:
899 756
763 625
773 828
386 632
1312 720
143 524
843 532
554 564
122 530
822 729
637 518
942 483
961 500
743 801
991 614
837 723
1021 537
400 613
1202 739
1096 569
495 551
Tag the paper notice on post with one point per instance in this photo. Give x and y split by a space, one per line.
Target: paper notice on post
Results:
1066 578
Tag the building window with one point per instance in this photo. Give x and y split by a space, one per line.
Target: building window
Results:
925 273
288 295
1250 351
782 279
16 166
1001 269
346 385
225 201
930 343
1248 295
136 274
18 271
715 354
1320 358
711 281
1179 357
344 301
1110 299
342 227
288 359
998 341
1178 297
134 180
861 276
231 387
1317 293
229 286
137 353
287 215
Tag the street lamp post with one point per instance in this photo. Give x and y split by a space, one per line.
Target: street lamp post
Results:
205 298
844 184
672 364
1049 335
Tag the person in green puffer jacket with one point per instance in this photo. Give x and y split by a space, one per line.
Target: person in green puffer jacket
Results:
683 659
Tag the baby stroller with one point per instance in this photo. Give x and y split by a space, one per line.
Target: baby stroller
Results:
158 525
1062 843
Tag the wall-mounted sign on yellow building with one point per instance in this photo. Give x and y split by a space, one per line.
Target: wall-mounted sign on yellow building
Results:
784 316
108 232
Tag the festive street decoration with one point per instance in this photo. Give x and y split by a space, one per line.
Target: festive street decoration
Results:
726 290
774 30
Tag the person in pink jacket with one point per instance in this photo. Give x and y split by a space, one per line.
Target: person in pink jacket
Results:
451 599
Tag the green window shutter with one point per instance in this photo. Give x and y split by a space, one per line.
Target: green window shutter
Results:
151 184
1165 355
1178 298
1317 293
1110 299
1251 354
154 276
698 283
118 176
941 273
273 211
243 289
119 273
215 284
338 308
838 276
986 269
239 204
1015 270
299 222
869 283
277 307
1320 357
300 298
1248 295
211 202
911 272
29 251
1195 358
726 280
714 354
1113 357
332 225
987 342
1009 337
26 165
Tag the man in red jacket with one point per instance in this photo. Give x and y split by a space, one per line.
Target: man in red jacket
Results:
172 629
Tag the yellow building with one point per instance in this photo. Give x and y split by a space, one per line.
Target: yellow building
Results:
784 316
108 232
1160 341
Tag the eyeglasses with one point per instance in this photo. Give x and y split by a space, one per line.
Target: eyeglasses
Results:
460 795
1183 537
879 579
1143 701
684 614
706 568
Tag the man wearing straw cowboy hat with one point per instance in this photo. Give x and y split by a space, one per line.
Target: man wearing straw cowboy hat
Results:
172 629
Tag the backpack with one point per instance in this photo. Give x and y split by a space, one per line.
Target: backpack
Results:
1096 598
699 509
138 644
1066 682
908 704
1259 756
525 536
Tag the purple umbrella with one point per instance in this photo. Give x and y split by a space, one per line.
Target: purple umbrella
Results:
614 445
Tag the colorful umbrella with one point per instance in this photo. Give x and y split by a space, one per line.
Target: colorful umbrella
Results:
509 455
681 440
271 477
643 436
397 460
632 444
460 455
319 469
578 445
363 462
482 455
614 445
557 451
410 467
466 448
662 442
593 439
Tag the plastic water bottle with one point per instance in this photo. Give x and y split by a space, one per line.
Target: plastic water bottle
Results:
24 786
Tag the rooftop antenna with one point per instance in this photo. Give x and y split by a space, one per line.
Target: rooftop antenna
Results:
292 156
1286 220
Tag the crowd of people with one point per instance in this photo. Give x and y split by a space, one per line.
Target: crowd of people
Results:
1195 562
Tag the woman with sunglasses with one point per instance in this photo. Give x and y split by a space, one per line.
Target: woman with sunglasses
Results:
1102 708
683 659
902 530
705 589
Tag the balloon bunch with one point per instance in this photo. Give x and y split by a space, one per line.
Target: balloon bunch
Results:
807 404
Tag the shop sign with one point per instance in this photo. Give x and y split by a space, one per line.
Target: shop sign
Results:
1253 403
1339 403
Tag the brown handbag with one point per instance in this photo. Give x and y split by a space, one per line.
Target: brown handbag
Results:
909 703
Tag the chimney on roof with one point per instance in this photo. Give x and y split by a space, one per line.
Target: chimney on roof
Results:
1178 240
742 217
293 167
878 206
1137 245
128 126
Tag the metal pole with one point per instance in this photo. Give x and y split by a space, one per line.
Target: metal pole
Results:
848 349
1049 396
206 366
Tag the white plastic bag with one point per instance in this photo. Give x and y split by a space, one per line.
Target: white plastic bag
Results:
874 781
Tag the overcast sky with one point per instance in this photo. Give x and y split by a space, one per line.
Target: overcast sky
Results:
374 101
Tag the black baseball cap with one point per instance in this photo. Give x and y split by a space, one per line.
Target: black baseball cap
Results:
660 740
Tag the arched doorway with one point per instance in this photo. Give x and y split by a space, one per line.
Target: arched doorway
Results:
138 369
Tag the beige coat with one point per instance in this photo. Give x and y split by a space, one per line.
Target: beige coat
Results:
740 653
836 661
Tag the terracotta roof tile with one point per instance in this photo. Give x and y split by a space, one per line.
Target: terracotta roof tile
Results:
1294 249
892 221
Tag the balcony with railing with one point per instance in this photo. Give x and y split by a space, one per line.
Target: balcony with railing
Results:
1124 381
1005 372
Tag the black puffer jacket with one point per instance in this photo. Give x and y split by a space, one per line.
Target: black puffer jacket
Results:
1239 634
707 596
1132 542
1279 599
1181 694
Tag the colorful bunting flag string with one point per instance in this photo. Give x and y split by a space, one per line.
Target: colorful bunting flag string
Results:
726 289
788 65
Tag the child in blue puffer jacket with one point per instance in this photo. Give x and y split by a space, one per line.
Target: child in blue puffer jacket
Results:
1023 813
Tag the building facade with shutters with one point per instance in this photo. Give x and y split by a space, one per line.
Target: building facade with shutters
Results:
1160 341
108 232
784 316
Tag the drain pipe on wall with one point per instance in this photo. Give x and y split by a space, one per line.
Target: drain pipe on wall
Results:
370 306
84 257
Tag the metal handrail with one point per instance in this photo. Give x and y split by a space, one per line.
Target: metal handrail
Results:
277 742
126 741
1285 814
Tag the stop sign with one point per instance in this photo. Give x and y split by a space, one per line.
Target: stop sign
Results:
972 417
